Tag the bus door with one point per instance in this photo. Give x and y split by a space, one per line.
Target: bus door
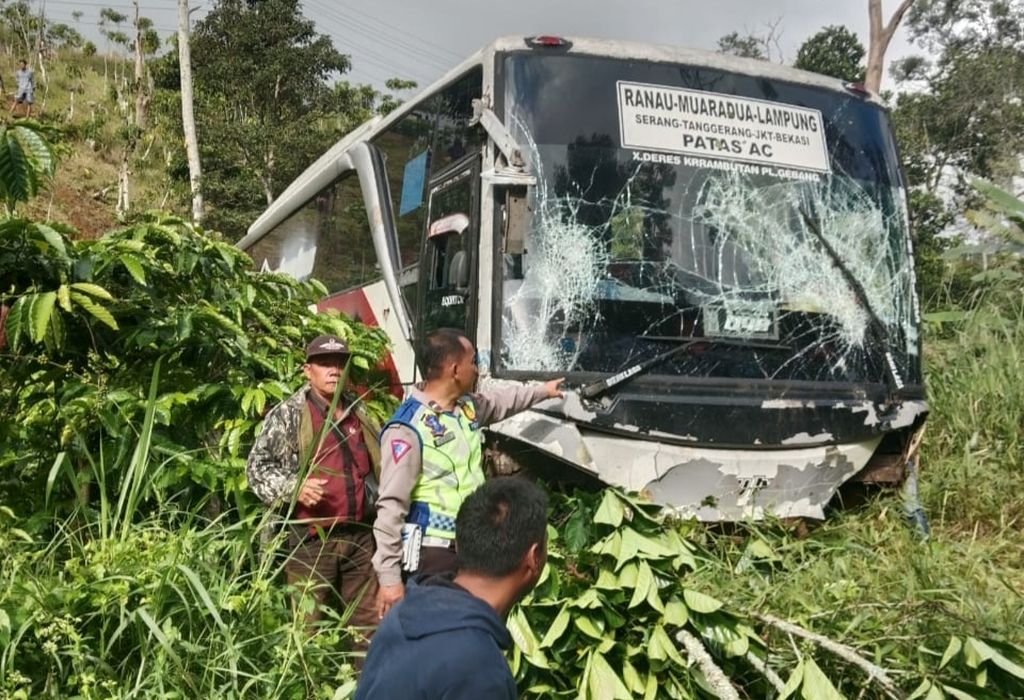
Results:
448 263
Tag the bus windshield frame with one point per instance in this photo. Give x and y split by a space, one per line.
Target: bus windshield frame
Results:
640 243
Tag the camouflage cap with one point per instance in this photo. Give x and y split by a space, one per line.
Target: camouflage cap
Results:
326 345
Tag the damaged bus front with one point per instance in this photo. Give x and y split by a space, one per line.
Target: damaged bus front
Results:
715 252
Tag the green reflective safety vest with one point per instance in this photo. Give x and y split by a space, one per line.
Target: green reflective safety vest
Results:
452 458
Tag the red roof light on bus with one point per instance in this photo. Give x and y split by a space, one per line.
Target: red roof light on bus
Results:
547 40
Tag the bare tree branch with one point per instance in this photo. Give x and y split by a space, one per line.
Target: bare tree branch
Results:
848 654
715 676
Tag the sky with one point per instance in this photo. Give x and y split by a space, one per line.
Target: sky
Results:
423 39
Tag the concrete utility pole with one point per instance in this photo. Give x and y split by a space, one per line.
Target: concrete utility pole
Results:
879 40
188 119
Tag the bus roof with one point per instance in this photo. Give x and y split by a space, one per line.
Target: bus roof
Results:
323 171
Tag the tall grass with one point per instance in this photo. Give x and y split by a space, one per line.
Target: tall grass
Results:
131 597
134 598
864 576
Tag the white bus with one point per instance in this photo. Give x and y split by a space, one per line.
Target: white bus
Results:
714 251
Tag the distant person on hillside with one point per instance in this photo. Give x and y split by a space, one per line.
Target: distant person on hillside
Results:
26 88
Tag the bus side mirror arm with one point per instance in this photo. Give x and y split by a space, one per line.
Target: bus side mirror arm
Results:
503 139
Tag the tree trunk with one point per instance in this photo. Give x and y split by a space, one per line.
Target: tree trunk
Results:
187 116
123 201
879 40
141 98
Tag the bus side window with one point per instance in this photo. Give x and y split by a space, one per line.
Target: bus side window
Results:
328 238
405 147
345 256
454 136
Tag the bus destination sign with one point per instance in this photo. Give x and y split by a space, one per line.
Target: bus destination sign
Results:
711 125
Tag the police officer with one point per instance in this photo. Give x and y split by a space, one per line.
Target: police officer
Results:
432 459
331 542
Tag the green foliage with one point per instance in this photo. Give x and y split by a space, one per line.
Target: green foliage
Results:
862 577
968 117
604 621
173 606
749 46
87 322
26 162
835 51
263 106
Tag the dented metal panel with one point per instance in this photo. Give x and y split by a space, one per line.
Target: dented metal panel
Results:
698 481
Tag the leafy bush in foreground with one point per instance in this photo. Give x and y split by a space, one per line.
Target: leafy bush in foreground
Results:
86 322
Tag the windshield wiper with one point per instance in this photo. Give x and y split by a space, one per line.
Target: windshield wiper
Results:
589 391
739 342
880 334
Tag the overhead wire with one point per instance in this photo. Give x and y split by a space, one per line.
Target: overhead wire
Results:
421 55
453 56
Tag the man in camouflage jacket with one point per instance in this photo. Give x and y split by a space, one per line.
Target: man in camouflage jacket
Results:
332 508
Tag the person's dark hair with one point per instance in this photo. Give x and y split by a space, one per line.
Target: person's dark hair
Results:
498 523
441 347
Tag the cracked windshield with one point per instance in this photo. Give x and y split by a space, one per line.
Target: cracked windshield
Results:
677 203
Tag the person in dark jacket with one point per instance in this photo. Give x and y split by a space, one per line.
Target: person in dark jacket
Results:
445 638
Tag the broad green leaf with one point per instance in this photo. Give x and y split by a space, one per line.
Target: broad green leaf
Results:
656 645
589 627
676 613
700 602
1007 665
976 652
64 297
651 691
628 575
98 312
655 546
577 532
956 693
611 510
794 681
607 581
630 547
557 628
644 582
816 685
654 600
603 682
134 268
17 324
610 545
921 690
260 403
631 678
952 649
53 239
935 693
589 599
42 307
667 645
522 634
725 634
93 290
